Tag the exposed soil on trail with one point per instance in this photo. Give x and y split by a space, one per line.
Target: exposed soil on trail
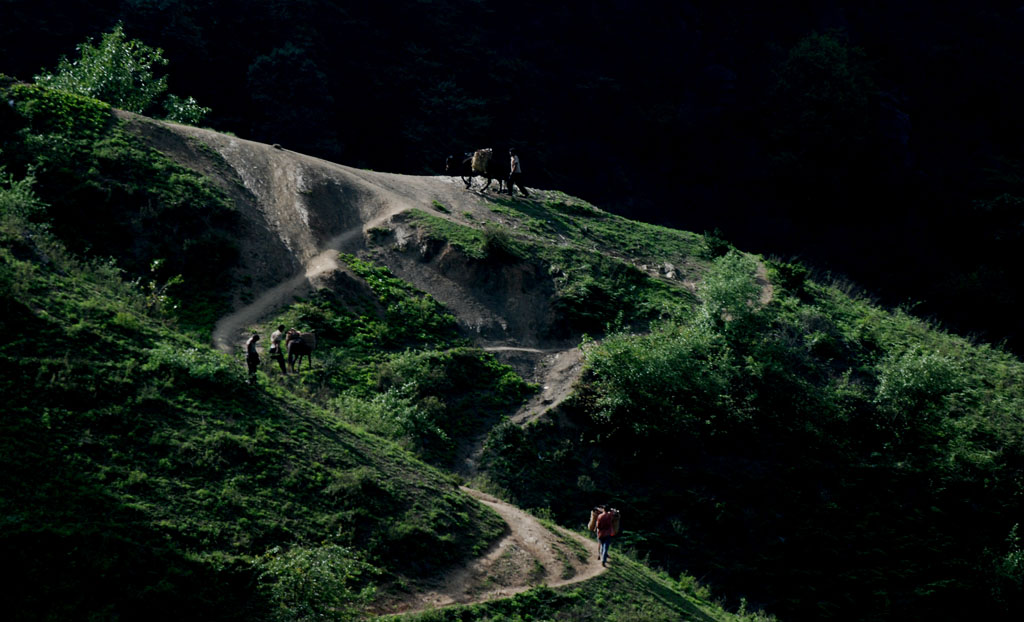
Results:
298 213
528 555
554 371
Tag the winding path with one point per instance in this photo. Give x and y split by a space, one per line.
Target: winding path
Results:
228 333
529 555
278 189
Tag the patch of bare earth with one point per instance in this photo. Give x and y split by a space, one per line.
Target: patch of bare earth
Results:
527 556
298 213
554 371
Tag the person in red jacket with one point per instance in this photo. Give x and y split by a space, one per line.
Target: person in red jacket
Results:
605 531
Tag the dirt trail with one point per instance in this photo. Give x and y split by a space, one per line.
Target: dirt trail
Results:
298 212
529 555
230 329
555 370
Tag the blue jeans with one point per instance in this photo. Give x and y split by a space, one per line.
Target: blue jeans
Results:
603 551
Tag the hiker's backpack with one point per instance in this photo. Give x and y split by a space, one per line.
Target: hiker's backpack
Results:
592 525
616 521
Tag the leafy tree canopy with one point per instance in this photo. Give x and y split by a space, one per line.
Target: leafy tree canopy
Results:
123 73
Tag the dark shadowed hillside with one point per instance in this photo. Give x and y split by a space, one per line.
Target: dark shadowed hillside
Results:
877 140
795 445
146 477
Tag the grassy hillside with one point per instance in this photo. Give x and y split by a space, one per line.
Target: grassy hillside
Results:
794 445
141 474
108 195
793 442
819 455
143 478
392 360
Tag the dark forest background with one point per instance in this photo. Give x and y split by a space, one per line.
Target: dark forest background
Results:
881 141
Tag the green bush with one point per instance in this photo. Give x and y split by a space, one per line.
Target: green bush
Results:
729 289
197 363
121 72
672 382
412 317
916 382
397 414
1008 583
328 582
715 245
18 199
51 111
498 244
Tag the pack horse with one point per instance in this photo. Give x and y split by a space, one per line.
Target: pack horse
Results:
300 345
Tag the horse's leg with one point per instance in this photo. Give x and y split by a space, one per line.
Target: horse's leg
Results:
468 182
488 184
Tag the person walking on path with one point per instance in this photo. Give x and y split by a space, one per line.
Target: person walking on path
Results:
252 356
605 531
276 353
515 176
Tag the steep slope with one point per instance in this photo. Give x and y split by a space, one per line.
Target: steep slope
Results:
299 211
145 478
507 300
840 409
141 474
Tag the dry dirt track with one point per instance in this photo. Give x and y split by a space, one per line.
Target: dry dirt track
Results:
529 555
297 213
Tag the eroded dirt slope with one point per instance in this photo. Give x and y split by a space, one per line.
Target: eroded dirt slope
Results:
529 555
299 211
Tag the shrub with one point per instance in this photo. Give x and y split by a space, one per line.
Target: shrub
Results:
791 276
198 363
729 289
396 414
1008 587
498 244
914 394
121 72
661 385
17 198
327 582
915 382
715 245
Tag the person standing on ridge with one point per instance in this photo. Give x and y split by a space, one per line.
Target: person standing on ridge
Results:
605 531
252 356
515 176
276 353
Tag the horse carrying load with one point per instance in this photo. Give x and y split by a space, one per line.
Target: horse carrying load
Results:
481 159
480 162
